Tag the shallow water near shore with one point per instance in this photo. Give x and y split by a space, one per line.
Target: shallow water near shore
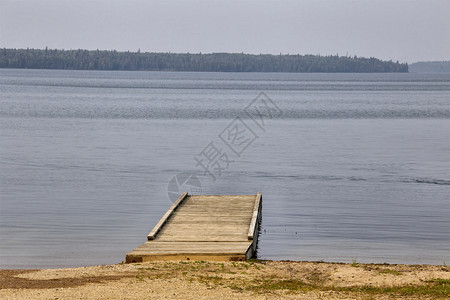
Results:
356 166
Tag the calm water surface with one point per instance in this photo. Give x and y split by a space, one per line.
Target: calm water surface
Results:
357 165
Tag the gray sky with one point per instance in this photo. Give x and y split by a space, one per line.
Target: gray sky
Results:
404 30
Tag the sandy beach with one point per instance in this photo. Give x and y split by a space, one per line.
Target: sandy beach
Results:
230 280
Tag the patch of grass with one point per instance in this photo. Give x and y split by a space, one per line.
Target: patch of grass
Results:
236 287
316 278
216 280
256 261
389 271
439 281
160 276
213 274
199 262
267 285
436 287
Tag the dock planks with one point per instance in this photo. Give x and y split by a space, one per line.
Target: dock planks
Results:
204 227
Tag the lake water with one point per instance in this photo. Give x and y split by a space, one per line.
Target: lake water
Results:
351 166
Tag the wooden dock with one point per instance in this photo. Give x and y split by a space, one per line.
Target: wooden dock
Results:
220 228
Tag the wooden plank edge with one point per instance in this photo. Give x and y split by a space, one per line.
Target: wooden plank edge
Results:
251 251
186 257
255 217
166 216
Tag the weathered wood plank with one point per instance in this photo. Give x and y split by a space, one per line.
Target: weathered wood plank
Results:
154 244
254 222
206 238
221 197
193 227
161 222
219 202
216 214
224 209
207 222
204 233
216 247
193 218
191 256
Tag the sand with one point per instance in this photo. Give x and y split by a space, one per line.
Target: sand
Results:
229 280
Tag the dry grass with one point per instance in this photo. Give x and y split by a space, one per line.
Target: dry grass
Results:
260 279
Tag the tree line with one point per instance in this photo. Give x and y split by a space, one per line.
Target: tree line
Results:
214 62
430 67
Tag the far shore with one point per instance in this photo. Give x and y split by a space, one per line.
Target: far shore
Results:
253 279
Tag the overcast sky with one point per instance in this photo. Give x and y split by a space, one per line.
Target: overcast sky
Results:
404 30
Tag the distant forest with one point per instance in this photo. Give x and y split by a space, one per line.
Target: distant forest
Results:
430 67
215 62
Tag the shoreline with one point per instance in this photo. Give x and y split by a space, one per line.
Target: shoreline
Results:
253 260
254 279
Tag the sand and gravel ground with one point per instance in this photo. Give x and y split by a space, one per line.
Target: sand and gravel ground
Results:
230 280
